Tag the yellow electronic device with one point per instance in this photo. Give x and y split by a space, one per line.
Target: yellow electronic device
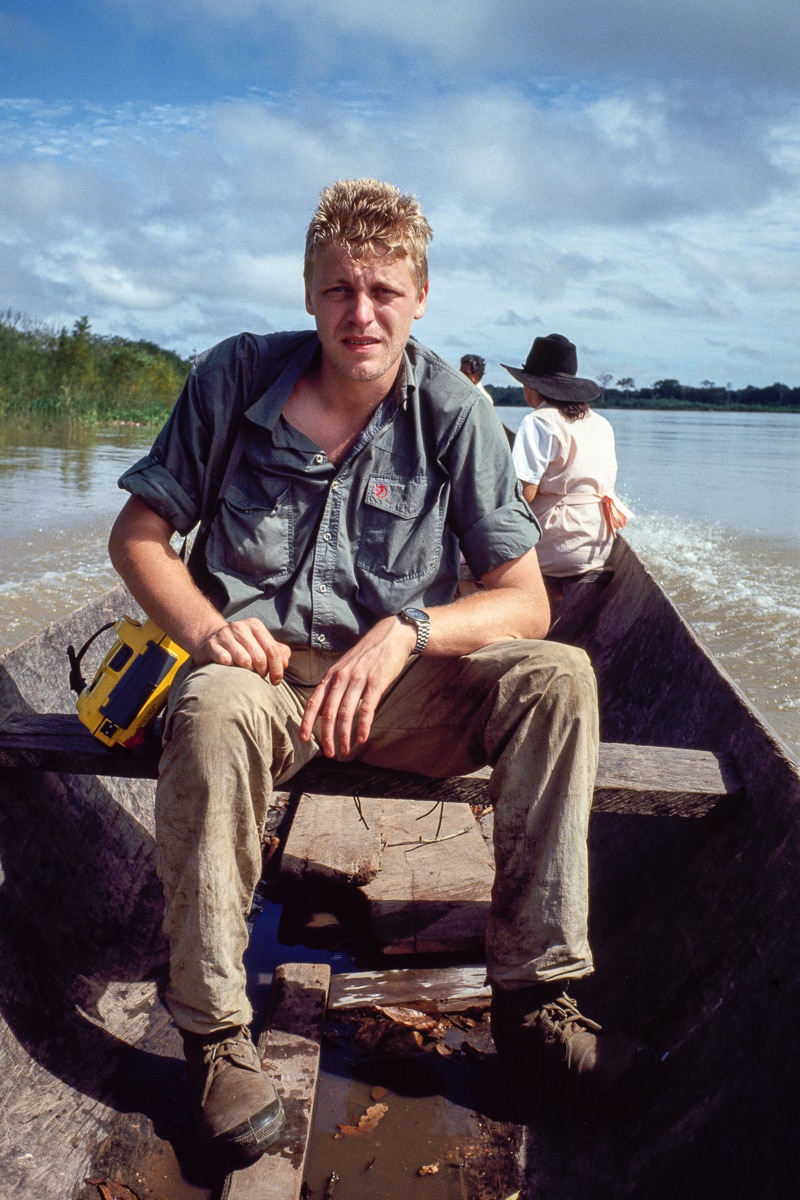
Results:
131 685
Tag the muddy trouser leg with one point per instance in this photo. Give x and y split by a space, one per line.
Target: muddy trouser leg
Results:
529 710
526 708
229 736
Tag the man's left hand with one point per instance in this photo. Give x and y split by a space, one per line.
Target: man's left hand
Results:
352 689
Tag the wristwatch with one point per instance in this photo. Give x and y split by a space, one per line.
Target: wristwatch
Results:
421 622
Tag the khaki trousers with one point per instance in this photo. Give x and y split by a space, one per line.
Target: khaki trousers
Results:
528 709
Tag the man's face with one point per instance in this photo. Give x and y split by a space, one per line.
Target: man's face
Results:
364 311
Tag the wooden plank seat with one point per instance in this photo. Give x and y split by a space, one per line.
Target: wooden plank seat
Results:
646 780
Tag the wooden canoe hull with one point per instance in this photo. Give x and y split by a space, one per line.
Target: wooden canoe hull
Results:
694 926
79 908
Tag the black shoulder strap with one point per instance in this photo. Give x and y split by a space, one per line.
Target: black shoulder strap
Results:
272 363
278 350
196 559
214 495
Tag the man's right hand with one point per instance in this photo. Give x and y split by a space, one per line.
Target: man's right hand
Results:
140 550
246 643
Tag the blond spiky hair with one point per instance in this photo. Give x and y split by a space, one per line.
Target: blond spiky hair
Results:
365 215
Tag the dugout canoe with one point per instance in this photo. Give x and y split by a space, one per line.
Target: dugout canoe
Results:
694 923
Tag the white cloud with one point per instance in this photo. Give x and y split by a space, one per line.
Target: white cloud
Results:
745 43
626 173
190 218
115 286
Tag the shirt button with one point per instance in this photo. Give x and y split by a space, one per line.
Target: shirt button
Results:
334 486
326 537
320 637
322 587
319 458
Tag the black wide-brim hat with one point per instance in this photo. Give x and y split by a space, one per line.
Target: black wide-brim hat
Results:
551 370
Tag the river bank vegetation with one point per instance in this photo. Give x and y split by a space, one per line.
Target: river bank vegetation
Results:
79 376
82 377
669 393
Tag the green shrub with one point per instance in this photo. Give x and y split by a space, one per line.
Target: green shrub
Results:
83 377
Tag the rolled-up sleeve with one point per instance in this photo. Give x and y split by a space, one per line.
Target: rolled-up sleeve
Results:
150 480
493 521
501 536
172 478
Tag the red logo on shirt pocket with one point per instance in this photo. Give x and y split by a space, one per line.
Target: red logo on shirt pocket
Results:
381 491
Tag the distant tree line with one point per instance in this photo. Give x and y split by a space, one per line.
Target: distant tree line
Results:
669 393
78 375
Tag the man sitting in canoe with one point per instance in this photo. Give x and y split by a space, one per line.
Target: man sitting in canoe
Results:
337 476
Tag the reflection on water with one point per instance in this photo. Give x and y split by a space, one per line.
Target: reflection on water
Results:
58 498
59 473
717 499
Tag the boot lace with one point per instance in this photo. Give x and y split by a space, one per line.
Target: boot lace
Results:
238 1048
566 1017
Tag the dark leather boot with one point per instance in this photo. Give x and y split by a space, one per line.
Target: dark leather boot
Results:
541 1031
234 1103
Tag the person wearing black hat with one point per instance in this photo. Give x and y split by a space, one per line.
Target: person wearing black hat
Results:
565 459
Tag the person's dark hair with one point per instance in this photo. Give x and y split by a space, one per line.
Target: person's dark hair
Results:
474 364
572 411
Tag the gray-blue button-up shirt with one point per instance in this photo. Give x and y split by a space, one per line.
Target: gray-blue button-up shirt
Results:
320 552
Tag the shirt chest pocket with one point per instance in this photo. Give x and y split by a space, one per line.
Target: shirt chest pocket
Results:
402 524
252 534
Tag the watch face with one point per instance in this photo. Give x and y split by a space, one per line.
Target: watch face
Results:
416 614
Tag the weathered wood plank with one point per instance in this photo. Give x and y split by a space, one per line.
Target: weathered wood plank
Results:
662 781
445 989
331 838
289 1046
433 889
59 742
425 871
651 780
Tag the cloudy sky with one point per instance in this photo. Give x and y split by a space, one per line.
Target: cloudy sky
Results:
626 172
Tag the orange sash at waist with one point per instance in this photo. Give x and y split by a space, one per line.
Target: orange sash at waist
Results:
615 513
616 518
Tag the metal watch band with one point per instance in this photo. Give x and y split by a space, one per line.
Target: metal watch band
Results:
422 624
